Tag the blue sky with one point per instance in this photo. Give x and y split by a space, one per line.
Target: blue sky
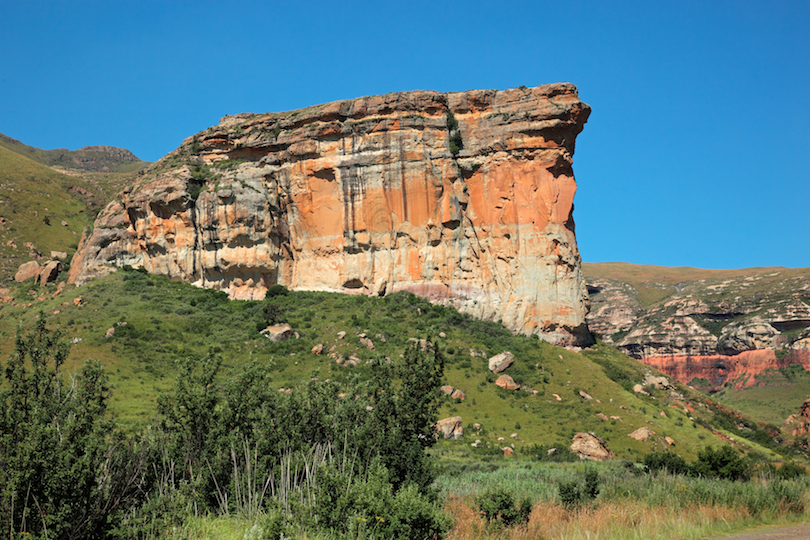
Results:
696 154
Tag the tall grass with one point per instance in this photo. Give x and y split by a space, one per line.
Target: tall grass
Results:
630 504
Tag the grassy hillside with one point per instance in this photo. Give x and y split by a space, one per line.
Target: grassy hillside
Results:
106 159
158 321
43 210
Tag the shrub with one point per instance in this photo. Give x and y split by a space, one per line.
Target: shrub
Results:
570 494
724 463
665 461
500 508
790 471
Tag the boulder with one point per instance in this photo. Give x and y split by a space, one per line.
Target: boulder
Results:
458 394
590 446
447 389
641 434
500 362
507 382
317 349
507 451
585 395
27 271
61 255
49 271
670 441
277 332
450 427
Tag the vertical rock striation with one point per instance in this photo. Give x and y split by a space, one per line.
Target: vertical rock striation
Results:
463 198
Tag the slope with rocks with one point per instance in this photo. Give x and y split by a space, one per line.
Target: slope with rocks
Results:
463 198
713 326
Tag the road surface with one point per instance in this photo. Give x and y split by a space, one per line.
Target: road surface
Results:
792 532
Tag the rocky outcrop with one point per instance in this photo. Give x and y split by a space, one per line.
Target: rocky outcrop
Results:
711 327
463 198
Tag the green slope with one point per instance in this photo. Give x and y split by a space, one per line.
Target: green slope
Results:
106 159
158 322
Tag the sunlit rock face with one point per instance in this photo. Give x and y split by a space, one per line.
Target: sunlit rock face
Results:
463 198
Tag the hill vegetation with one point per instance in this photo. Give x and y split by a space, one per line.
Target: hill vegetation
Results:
43 210
101 159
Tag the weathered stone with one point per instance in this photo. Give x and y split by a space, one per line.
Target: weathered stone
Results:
450 427
670 441
507 382
367 342
110 332
366 196
638 389
447 389
500 362
641 434
590 446
557 397
49 271
507 451
458 394
603 416
27 271
277 332
317 349
61 255
585 395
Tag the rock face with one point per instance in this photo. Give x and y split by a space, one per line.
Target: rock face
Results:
463 198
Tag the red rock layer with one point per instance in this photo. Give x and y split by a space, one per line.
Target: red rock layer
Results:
368 196
741 369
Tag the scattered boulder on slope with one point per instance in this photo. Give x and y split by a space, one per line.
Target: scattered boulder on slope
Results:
507 382
277 332
641 434
49 271
590 446
27 271
500 362
450 427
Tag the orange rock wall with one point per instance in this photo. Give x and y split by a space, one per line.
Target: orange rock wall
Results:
741 369
365 197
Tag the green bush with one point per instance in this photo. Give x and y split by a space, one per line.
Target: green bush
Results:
501 509
665 461
61 476
724 463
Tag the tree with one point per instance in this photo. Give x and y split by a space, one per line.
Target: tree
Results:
54 454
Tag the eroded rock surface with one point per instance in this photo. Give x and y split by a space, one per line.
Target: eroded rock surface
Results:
709 327
372 196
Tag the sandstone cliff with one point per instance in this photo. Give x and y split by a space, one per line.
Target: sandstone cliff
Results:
719 326
463 198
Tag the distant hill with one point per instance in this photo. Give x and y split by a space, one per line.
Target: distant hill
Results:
742 332
106 159
43 210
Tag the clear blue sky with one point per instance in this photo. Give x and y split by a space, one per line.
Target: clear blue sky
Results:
697 151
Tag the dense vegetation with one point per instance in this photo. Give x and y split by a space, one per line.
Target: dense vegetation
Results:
332 456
